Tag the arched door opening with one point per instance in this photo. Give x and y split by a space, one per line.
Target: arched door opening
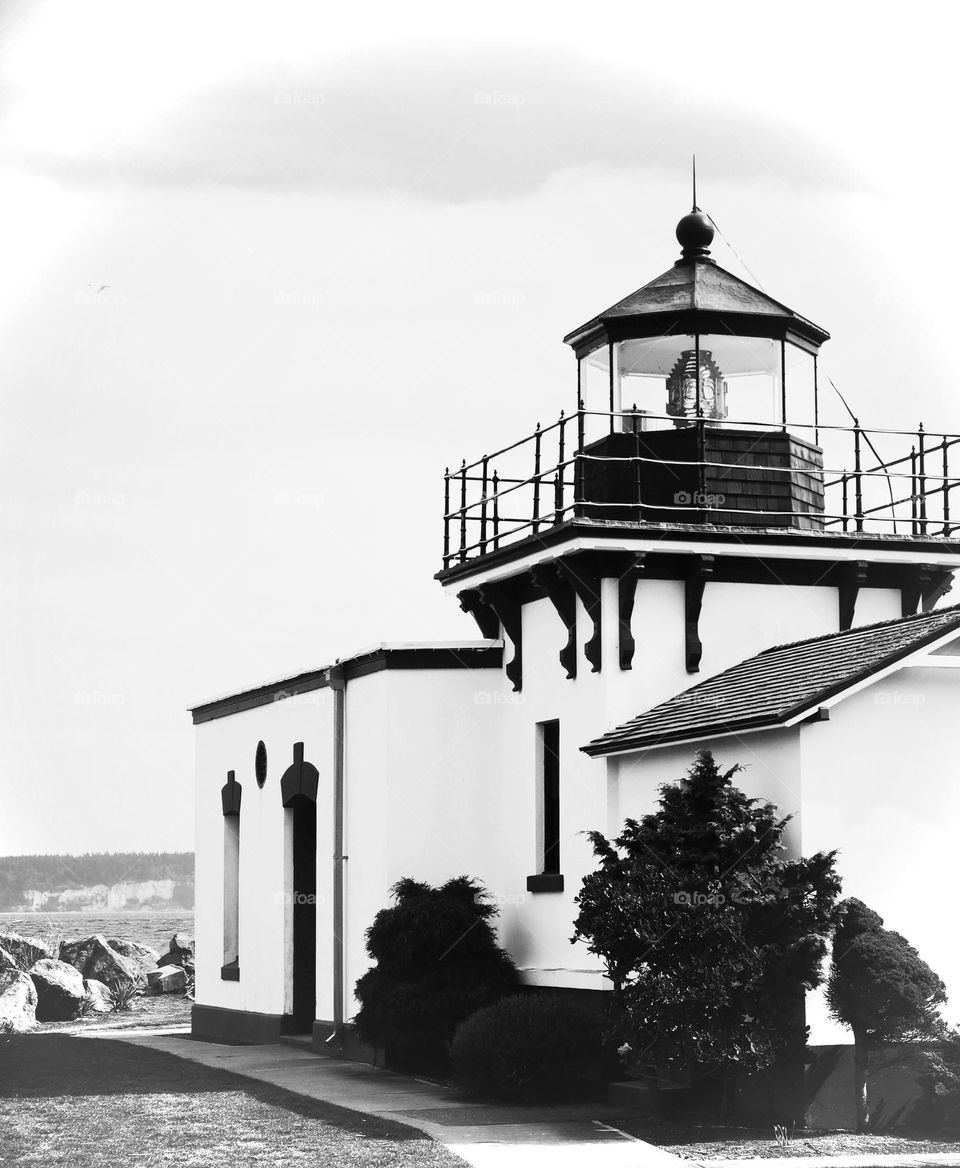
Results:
298 789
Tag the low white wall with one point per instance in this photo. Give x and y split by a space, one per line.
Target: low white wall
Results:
880 786
230 744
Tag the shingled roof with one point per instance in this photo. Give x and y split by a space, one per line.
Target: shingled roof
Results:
778 684
699 287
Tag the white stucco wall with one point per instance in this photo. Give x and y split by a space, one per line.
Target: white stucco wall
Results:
441 780
230 744
880 785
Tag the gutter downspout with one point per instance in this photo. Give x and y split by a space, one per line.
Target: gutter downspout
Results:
338 683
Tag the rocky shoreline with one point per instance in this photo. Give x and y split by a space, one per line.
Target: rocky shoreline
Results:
65 980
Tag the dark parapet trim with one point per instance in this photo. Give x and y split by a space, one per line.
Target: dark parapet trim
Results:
238 1027
469 657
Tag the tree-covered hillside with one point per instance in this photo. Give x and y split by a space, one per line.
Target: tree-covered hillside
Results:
56 873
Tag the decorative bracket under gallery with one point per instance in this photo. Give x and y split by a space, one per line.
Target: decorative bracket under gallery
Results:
626 594
586 585
700 571
923 588
487 620
560 593
503 599
852 579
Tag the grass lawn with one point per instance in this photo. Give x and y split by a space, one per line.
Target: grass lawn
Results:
95 1102
703 1140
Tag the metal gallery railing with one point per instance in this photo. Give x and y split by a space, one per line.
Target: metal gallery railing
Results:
879 481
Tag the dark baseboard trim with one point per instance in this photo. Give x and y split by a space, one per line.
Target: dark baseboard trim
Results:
242 1027
545 882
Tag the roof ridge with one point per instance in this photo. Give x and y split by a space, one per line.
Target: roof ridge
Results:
858 629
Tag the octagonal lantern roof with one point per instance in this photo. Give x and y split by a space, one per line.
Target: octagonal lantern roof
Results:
696 295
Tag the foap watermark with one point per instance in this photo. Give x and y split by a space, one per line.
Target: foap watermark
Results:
505 899
86 697
899 697
307 98
487 697
298 898
309 698
698 499
102 297
98 499
714 897
500 299
298 299
498 97
299 499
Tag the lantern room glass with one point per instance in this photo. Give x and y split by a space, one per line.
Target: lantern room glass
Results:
651 383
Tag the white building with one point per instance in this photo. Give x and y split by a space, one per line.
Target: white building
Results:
687 515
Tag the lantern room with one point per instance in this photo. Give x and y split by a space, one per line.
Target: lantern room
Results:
699 343
687 370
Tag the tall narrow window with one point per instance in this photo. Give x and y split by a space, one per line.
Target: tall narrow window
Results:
549 753
230 794
231 889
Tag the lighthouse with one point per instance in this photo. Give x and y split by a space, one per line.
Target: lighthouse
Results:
695 487
689 556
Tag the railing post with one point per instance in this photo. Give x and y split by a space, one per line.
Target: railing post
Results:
845 503
580 425
913 490
946 490
558 486
483 507
922 480
857 478
446 516
496 511
637 473
536 479
463 510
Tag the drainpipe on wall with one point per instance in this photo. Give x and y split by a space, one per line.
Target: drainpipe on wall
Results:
338 683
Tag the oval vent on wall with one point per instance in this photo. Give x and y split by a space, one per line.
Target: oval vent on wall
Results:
260 764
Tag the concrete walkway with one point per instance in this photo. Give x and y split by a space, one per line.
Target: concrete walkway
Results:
485 1135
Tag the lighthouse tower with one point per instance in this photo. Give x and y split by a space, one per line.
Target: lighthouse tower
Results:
692 508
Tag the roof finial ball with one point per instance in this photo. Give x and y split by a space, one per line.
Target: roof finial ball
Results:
695 234
695 231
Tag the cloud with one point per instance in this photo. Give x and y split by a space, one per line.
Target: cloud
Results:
447 124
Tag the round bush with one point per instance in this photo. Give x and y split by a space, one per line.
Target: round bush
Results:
532 1046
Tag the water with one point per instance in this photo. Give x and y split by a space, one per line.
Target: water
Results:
153 928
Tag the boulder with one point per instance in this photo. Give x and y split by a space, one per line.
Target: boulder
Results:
170 979
59 990
77 951
98 997
94 958
183 943
142 956
25 951
18 1001
6 961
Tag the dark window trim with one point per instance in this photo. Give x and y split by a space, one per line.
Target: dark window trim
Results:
230 971
549 780
545 882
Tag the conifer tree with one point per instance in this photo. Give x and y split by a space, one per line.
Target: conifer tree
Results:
709 935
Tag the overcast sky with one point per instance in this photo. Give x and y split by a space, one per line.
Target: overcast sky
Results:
268 268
